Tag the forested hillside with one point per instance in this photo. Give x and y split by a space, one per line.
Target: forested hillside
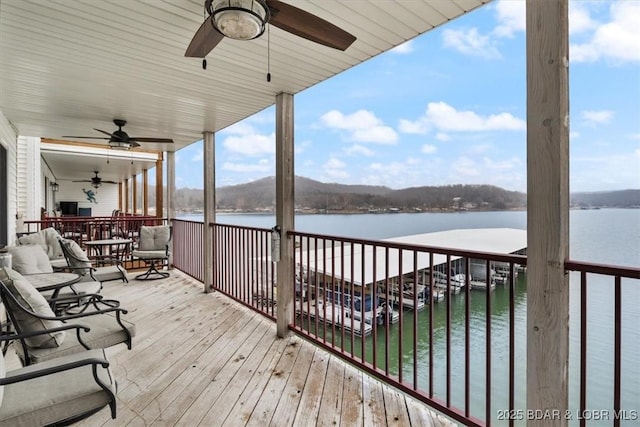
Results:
317 196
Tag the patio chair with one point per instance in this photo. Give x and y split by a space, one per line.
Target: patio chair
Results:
61 391
153 247
32 262
106 269
98 324
47 239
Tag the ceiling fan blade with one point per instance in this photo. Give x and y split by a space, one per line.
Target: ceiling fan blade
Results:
108 182
83 180
159 140
204 40
83 137
308 26
105 132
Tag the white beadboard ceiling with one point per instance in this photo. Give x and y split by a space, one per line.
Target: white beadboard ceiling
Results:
68 66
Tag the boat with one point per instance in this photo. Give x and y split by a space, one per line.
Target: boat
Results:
330 313
354 307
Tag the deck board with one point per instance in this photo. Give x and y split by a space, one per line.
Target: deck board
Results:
204 360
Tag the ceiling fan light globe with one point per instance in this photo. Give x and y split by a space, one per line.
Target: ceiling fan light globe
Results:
119 145
239 19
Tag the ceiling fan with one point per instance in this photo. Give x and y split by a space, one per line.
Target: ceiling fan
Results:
119 139
246 20
96 181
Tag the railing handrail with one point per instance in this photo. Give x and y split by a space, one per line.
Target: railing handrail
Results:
606 269
493 256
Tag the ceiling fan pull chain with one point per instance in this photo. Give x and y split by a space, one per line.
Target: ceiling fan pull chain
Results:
268 52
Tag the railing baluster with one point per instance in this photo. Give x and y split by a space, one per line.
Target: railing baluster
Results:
467 337
488 347
617 350
583 347
512 340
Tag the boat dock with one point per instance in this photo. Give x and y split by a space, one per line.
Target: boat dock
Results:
332 314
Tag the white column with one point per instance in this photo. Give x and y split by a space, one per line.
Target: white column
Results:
547 209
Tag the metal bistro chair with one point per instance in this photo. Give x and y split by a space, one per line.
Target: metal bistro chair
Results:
153 247
40 335
58 392
105 269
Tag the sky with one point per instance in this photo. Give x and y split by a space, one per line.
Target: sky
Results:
449 107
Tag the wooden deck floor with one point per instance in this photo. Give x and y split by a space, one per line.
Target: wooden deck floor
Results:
206 360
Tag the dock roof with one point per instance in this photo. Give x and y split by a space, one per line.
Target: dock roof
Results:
370 263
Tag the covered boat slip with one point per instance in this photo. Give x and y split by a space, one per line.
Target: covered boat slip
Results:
364 264
203 359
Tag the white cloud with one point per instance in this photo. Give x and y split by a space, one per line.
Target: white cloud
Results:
443 117
359 150
263 165
441 136
198 156
579 18
574 134
413 127
466 167
335 168
388 170
301 147
334 163
511 16
240 128
361 126
618 40
635 136
251 144
470 42
429 149
404 48
597 117
501 165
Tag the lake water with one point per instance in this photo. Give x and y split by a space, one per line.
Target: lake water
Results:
609 236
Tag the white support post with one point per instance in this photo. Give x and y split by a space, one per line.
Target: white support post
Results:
285 209
209 208
547 210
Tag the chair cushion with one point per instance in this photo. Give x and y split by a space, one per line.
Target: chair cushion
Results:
30 259
47 239
58 263
80 288
154 238
74 249
31 299
150 254
53 398
109 272
104 332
